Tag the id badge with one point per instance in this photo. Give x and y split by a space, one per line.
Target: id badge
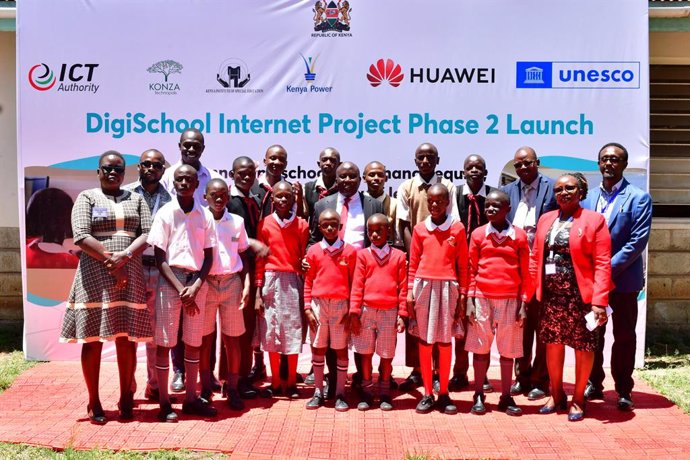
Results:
550 269
100 212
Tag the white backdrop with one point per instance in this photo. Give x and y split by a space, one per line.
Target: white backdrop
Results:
474 77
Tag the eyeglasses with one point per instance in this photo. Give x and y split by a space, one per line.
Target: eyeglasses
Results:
108 169
612 160
523 164
152 164
567 188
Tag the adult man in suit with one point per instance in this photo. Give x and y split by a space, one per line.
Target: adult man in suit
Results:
353 206
530 197
628 213
470 204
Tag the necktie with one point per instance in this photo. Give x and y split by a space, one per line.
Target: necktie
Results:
252 210
472 213
343 216
268 197
424 186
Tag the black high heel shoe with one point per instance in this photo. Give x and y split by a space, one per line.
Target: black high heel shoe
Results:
557 406
96 417
126 407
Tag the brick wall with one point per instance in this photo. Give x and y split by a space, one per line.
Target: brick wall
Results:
10 274
668 309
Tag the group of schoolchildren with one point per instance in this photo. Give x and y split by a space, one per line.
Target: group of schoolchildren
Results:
250 258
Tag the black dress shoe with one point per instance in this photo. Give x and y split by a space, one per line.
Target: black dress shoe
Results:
341 404
507 404
167 414
309 379
234 400
299 378
593 393
425 404
292 393
412 382
198 407
366 402
478 408
247 390
625 403
458 383
315 402
516 389
270 392
446 405
96 416
177 383
535 394
126 408
385 403
257 373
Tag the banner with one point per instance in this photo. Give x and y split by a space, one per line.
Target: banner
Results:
373 79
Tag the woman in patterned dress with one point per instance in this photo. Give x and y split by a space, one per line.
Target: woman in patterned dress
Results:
107 300
571 269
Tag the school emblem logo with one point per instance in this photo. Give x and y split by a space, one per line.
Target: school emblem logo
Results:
331 16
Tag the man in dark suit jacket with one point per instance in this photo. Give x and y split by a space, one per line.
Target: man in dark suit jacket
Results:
530 197
361 207
470 198
628 212
325 185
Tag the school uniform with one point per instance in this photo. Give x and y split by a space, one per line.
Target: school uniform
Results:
279 276
359 208
203 174
379 296
184 237
437 279
327 291
499 279
225 285
390 208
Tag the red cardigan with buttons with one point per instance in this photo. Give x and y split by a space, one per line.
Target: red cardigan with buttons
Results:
590 250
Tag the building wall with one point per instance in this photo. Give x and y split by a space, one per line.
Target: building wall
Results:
10 271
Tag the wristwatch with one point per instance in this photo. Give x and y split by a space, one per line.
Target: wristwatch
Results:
129 254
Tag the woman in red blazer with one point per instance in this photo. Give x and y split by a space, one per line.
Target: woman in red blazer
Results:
571 269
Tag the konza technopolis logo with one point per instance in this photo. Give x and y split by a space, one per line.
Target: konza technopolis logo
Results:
71 78
385 71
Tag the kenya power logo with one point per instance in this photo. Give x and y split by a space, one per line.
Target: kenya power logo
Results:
385 70
41 77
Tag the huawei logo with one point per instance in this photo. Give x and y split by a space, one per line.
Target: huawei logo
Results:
385 70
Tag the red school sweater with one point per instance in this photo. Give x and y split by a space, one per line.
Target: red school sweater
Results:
499 269
439 255
378 283
287 246
330 274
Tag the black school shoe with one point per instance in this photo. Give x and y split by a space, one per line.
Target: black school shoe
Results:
478 408
445 405
234 400
385 403
507 404
341 404
198 407
425 404
167 414
366 402
458 382
625 403
315 402
412 382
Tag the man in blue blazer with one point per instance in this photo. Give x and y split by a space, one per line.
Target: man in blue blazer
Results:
628 212
530 197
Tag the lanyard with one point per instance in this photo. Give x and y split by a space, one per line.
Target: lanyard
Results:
609 200
555 230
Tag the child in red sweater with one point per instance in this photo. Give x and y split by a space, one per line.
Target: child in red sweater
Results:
437 285
326 297
377 308
279 287
499 282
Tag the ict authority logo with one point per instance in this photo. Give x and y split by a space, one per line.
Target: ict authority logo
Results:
69 78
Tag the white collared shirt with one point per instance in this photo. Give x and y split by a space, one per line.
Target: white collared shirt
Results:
337 244
183 236
382 252
284 222
204 174
508 232
353 232
231 237
467 191
526 212
443 227
403 208
603 205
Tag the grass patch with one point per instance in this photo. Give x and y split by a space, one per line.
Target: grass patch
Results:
24 452
670 376
12 361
